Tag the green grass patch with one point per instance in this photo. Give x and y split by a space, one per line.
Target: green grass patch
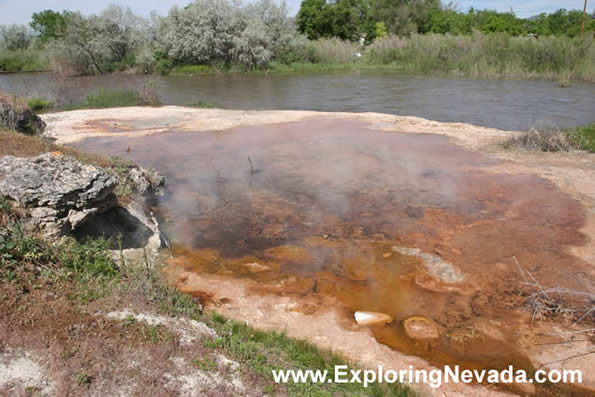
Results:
193 69
205 364
113 98
584 136
311 67
202 105
39 105
265 351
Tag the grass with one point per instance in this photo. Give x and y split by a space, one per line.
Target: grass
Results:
555 139
265 351
202 104
39 105
489 56
16 144
583 136
103 99
193 69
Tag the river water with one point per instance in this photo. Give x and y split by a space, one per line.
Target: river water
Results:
508 105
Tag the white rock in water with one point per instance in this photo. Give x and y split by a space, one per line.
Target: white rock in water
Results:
256 267
372 318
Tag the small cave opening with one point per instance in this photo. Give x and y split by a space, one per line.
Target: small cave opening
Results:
113 223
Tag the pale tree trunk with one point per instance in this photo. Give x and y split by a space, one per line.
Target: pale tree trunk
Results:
584 15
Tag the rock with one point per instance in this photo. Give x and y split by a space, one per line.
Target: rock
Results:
372 318
59 191
256 267
16 115
438 267
422 330
145 181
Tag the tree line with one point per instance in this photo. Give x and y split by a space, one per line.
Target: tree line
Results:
226 33
350 19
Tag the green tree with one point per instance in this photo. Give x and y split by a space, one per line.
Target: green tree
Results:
50 24
313 19
346 19
403 17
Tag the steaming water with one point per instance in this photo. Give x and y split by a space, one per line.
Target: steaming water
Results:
509 105
318 213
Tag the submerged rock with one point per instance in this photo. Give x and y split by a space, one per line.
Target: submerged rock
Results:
437 266
59 191
372 318
422 330
255 267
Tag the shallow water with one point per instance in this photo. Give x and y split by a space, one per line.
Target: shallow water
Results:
313 209
508 105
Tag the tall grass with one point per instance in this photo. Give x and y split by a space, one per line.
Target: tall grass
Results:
335 50
489 56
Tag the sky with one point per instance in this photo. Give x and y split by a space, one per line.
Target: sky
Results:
19 11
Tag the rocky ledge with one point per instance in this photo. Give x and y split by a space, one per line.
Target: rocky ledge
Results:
16 115
62 196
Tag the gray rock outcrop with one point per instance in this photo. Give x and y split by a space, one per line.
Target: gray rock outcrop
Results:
59 192
145 182
18 116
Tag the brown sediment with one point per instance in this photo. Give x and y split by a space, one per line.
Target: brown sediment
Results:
331 200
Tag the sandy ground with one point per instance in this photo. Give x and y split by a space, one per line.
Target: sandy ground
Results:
573 173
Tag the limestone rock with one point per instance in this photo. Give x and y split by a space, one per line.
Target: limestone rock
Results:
59 191
422 330
15 115
256 267
145 181
435 265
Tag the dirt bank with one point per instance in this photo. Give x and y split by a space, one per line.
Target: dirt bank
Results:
322 219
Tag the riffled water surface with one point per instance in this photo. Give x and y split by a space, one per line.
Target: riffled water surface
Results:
511 105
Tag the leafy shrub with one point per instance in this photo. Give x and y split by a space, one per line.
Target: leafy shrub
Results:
297 49
209 32
29 60
38 104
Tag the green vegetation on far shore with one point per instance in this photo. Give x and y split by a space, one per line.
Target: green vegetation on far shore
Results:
584 136
213 36
26 60
103 99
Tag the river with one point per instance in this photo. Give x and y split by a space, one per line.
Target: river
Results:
508 105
